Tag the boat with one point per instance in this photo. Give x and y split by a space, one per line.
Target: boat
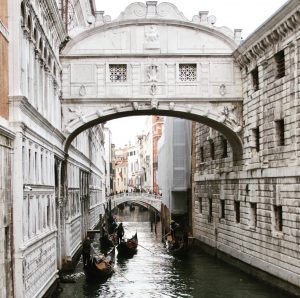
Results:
127 248
100 267
107 241
176 247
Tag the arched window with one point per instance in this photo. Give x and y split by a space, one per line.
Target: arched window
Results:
49 61
54 69
41 45
29 24
23 13
35 37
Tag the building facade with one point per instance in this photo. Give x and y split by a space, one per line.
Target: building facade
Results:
250 211
6 150
121 169
174 168
157 129
55 199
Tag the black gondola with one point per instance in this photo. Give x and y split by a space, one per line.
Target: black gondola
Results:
106 242
100 267
176 247
127 248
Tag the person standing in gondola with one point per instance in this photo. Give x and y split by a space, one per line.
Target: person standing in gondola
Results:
86 251
120 232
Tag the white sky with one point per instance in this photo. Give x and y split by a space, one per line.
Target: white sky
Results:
234 14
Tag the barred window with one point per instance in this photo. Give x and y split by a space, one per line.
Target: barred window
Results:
187 72
280 64
255 79
118 72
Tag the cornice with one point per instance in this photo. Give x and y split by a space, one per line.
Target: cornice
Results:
58 22
284 22
33 114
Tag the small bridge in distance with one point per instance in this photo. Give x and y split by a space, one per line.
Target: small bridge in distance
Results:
144 199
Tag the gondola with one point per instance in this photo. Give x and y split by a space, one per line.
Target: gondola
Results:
106 242
100 267
176 247
127 248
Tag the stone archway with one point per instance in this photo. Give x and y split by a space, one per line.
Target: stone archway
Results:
218 120
152 60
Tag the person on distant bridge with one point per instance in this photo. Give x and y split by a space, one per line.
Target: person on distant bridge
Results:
120 232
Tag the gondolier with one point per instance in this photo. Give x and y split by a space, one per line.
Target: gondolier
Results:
86 251
120 232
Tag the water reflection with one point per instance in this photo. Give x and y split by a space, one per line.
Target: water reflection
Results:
158 274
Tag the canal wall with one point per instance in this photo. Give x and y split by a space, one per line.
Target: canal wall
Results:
248 211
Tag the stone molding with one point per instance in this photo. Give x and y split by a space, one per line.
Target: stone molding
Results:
270 33
4 31
23 103
222 33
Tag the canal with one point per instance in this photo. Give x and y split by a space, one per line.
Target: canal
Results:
153 273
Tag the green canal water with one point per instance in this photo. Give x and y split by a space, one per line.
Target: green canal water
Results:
158 274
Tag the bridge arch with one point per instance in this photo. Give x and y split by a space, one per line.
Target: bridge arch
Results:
226 126
143 199
154 45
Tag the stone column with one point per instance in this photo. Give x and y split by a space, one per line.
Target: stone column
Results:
17 184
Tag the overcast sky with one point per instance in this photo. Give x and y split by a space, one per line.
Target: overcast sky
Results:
247 15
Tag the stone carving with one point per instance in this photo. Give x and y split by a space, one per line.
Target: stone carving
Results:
171 106
153 89
82 90
228 113
77 113
164 10
152 73
135 10
135 105
154 104
151 37
168 10
222 90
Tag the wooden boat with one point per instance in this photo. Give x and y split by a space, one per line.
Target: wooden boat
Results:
128 248
106 242
100 267
176 246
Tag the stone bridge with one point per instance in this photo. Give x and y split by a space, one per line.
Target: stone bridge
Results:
152 60
145 199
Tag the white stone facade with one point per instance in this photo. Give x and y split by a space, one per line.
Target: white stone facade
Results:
56 198
6 149
251 212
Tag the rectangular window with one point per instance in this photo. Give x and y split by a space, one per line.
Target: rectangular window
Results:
222 205
200 205
253 214
256 138
279 126
201 154
237 211
278 217
224 147
118 72
210 216
280 64
212 150
188 72
255 79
